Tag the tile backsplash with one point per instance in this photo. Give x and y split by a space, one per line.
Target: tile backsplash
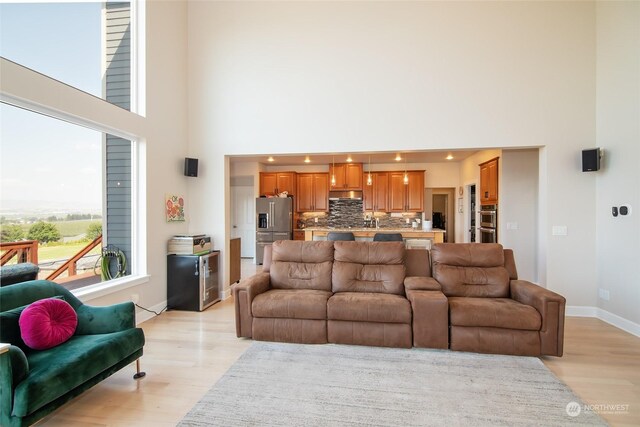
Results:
349 213
345 213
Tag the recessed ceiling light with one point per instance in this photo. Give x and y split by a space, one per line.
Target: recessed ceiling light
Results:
449 157
307 159
398 158
349 159
270 159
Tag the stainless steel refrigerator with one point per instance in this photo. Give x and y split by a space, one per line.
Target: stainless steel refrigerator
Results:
274 221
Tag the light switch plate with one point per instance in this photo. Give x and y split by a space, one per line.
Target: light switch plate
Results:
603 294
559 230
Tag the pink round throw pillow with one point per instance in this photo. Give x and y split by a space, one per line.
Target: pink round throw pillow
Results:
47 323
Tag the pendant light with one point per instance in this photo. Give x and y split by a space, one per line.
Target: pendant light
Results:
369 180
333 172
406 177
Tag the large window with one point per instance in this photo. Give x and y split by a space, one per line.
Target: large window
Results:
87 45
70 189
65 187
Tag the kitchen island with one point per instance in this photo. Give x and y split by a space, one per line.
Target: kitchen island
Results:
364 234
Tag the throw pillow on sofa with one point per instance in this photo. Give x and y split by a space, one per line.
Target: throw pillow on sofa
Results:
47 323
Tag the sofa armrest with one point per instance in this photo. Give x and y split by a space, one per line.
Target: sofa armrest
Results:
421 283
243 295
551 307
430 321
14 367
104 320
6 385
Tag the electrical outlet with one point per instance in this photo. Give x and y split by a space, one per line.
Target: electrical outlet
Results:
559 230
135 298
603 294
315 220
407 221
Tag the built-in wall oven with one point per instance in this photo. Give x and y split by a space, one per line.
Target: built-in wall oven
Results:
489 216
488 224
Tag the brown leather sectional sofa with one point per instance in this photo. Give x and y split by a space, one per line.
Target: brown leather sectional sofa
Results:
379 293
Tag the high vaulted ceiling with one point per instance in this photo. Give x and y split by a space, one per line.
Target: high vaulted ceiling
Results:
374 158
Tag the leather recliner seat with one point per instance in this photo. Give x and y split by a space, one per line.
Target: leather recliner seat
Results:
369 305
294 308
490 311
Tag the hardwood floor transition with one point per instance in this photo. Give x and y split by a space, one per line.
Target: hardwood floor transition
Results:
186 353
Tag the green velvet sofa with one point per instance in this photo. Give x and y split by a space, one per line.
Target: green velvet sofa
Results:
34 383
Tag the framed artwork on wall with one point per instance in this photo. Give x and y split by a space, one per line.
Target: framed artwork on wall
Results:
174 208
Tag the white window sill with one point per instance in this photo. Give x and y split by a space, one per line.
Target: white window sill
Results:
102 289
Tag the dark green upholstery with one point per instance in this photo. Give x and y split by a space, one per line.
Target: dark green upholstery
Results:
34 383
16 273
19 364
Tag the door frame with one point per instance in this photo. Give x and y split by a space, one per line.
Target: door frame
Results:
250 198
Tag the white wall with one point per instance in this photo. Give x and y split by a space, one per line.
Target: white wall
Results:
163 133
279 77
442 174
618 134
518 221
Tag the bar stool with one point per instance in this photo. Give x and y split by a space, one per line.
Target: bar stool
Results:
335 235
387 237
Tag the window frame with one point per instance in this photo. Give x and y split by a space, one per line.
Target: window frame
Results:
130 126
138 262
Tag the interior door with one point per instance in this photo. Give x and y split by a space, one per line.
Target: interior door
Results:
243 219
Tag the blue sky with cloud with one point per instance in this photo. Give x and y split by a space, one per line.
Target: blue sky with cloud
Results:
42 159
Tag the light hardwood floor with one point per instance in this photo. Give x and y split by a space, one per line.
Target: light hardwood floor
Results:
186 353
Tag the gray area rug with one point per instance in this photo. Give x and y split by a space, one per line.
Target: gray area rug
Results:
275 384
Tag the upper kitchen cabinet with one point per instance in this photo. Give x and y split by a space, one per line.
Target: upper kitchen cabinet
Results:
313 192
348 176
406 197
489 181
376 195
272 183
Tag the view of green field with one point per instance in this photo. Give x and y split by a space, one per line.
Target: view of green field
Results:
68 228
64 250
57 252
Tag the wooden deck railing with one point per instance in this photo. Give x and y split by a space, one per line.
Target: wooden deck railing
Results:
26 251
70 265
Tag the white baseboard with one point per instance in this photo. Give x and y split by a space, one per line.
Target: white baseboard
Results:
581 311
143 315
599 313
226 294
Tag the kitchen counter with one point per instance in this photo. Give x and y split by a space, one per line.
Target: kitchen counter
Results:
320 233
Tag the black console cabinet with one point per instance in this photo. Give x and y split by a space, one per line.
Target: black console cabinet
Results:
192 281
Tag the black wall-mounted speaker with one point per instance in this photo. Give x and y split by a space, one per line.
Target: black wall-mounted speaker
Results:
591 160
190 167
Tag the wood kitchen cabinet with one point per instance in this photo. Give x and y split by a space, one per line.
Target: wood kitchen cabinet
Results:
313 192
272 183
376 196
348 176
489 181
406 197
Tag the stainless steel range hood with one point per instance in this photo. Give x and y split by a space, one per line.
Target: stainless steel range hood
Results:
345 195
